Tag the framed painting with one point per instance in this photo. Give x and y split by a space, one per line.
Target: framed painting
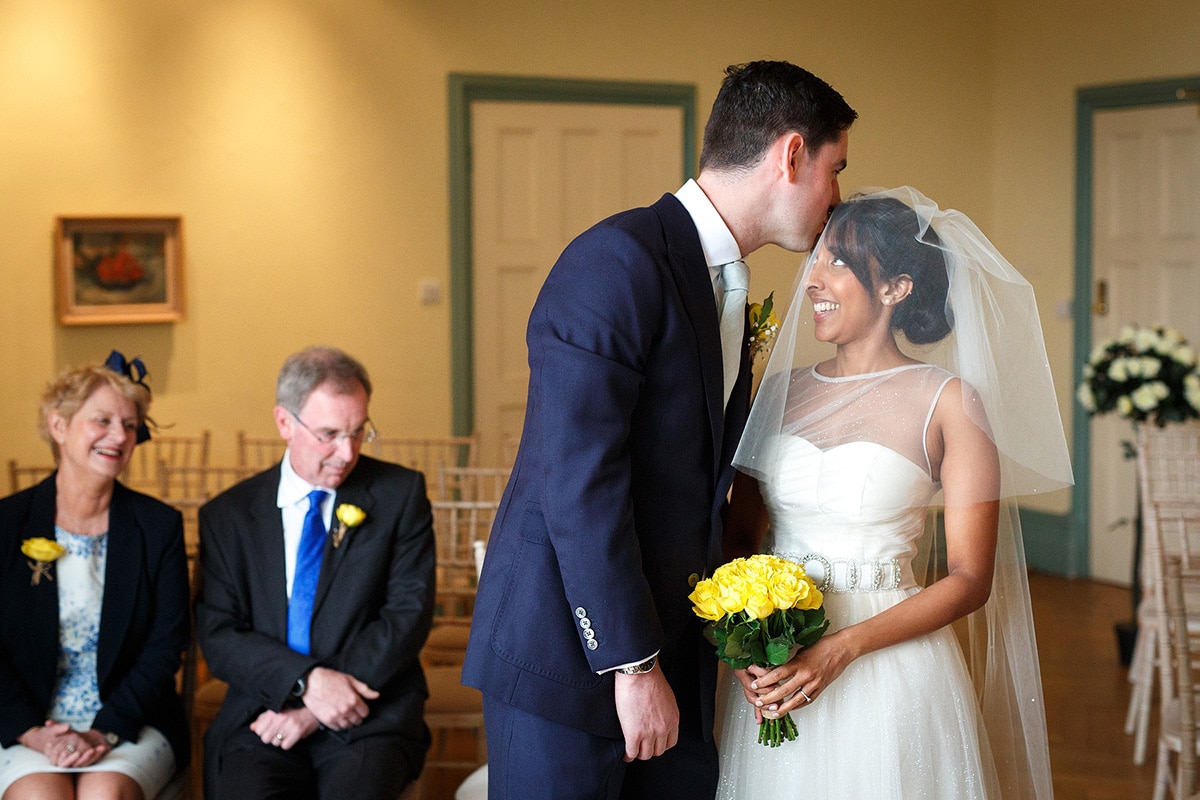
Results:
113 270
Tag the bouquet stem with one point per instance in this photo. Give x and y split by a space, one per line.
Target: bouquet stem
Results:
774 732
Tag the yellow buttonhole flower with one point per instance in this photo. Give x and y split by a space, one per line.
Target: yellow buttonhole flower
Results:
42 549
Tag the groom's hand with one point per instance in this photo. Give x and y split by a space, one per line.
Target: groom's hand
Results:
648 713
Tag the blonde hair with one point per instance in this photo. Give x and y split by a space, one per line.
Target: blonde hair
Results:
71 389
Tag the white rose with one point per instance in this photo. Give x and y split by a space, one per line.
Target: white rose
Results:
1126 335
1100 351
1145 397
1150 366
1087 398
1185 355
1118 371
1191 390
1146 340
1089 372
1124 406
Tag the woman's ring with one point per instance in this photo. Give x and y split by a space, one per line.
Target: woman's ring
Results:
807 699
70 748
279 737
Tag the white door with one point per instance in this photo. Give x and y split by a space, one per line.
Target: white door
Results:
1146 248
541 174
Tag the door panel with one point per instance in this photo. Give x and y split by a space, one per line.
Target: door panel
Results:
543 173
1146 246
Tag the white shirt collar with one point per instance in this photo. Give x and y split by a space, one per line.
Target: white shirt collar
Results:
715 238
293 488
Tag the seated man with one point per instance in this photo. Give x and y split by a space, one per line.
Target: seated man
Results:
316 595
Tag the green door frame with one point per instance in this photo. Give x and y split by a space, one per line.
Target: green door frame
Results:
465 89
1089 101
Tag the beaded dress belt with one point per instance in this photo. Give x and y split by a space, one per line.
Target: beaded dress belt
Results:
850 575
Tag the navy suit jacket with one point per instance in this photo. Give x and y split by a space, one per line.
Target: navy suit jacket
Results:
616 501
143 623
371 615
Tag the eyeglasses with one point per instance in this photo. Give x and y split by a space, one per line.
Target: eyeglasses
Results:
364 433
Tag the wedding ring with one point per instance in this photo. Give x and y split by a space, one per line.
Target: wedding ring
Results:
70 748
807 699
279 737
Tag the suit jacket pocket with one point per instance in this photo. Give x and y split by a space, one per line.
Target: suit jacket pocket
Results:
534 627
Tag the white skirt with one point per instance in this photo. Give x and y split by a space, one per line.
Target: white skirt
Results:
149 761
899 723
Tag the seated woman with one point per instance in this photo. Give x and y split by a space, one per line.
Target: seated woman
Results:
93 607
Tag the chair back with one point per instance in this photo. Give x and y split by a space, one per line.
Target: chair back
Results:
475 484
22 476
176 451
457 526
259 452
428 454
187 487
1182 590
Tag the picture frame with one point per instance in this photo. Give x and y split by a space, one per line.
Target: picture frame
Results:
119 269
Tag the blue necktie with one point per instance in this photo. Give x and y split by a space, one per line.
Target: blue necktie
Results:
308 570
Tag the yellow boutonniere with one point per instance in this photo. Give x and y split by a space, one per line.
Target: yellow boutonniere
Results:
349 516
764 325
44 552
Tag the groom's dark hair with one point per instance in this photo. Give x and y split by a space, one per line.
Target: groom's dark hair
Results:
763 100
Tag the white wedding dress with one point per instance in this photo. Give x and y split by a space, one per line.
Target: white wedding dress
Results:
851 496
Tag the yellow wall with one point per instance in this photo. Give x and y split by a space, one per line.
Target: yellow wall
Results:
304 142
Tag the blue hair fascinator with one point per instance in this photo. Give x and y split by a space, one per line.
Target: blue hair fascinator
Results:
135 370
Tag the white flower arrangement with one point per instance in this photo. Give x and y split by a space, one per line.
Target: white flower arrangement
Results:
1145 373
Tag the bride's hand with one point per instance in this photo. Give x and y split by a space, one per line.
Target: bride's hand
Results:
775 692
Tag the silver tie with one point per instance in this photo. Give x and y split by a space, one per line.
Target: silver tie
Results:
736 278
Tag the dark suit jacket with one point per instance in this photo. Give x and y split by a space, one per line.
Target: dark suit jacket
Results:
615 505
143 625
372 612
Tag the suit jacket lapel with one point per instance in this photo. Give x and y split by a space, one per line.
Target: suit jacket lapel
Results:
266 544
695 285
354 491
41 613
122 566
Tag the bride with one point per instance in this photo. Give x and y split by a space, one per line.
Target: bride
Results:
852 456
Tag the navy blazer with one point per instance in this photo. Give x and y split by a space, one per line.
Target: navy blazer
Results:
371 615
616 502
144 623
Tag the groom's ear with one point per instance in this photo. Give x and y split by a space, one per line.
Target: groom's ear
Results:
789 153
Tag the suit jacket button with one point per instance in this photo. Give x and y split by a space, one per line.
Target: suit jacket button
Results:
592 644
589 634
581 612
585 623
693 579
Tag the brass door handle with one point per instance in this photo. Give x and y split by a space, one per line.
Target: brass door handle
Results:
1100 306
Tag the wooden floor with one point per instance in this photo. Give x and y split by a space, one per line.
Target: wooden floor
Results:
1087 692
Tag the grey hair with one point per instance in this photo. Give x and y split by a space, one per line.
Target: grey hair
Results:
305 371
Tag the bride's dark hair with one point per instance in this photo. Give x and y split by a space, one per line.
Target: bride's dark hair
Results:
880 238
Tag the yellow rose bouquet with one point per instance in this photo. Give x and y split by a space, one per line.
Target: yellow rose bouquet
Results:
761 610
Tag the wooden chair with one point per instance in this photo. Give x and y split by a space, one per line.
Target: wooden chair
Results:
476 484
1168 462
427 454
451 708
457 526
259 452
23 476
175 451
1181 713
188 487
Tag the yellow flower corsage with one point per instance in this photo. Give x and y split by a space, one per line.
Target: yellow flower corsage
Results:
349 516
44 552
764 325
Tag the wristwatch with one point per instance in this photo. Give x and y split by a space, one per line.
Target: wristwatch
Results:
638 669
300 686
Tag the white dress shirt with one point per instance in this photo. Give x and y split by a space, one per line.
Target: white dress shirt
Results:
716 241
292 500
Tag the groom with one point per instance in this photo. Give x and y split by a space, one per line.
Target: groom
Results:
597 682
